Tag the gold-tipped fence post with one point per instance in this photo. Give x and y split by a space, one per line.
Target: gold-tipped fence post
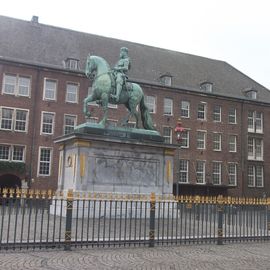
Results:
68 219
220 208
152 220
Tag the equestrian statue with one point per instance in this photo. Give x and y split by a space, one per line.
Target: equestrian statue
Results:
111 86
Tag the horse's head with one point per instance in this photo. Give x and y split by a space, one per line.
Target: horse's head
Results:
90 66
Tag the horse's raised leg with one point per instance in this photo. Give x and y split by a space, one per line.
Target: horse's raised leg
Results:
104 103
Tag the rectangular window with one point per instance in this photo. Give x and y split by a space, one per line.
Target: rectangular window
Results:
216 141
4 152
251 176
201 111
185 109
200 172
185 139
251 121
232 143
259 122
9 84
49 89
47 124
12 152
168 106
151 103
24 86
255 122
201 139
255 176
112 123
69 123
21 120
72 91
217 113
45 159
232 116
18 153
216 173
93 120
16 85
232 173
7 118
259 176
167 134
14 119
255 149
183 171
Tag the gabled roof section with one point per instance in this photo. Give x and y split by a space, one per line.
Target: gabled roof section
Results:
44 44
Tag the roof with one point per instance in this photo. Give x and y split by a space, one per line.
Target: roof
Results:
43 44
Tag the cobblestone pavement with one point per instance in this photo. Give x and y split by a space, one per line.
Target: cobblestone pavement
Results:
245 256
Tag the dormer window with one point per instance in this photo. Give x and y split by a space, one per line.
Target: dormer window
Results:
252 94
166 79
206 87
72 63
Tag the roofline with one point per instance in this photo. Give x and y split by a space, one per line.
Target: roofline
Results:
80 73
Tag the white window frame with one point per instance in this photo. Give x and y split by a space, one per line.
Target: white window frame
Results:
217 114
55 90
255 122
232 144
11 152
199 140
93 120
202 113
17 84
200 173
75 122
110 121
76 94
185 107
255 144
53 123
186 131
168 106
232 175
217 173
217 142
151 103
39 161
253 176
169 137
14 119
183 171
232 116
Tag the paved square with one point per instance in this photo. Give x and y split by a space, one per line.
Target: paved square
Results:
243 256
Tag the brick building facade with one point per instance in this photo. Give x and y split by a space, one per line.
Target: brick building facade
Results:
42 83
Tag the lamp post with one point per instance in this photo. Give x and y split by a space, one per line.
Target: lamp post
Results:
178 132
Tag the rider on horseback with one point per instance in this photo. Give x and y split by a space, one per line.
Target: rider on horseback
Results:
120 70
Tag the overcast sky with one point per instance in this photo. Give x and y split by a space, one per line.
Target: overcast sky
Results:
235 31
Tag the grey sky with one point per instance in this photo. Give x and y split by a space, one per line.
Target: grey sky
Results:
235 31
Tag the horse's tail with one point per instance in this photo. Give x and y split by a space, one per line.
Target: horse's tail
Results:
145 115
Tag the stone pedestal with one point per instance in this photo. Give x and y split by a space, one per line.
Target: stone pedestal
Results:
116 160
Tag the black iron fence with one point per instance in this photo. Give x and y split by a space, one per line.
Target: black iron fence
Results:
35 219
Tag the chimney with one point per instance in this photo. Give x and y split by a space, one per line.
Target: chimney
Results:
34 19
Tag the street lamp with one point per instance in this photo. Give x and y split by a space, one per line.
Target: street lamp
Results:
178 132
